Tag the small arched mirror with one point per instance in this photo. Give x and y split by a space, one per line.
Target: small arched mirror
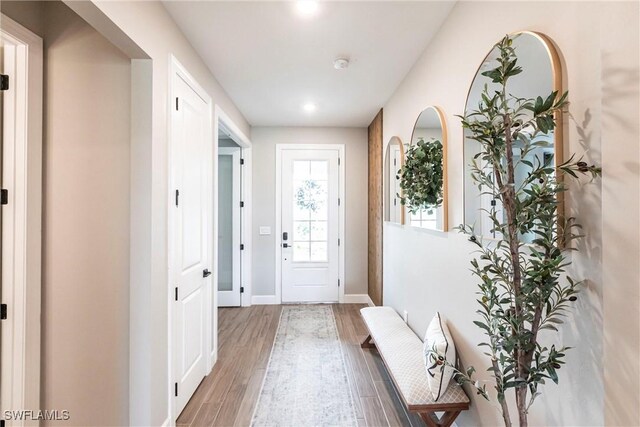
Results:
393 162
540 76
424 182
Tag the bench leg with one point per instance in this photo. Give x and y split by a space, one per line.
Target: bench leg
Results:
367 343
432 420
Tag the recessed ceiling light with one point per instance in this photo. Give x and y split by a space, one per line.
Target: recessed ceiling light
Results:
307 7
309 107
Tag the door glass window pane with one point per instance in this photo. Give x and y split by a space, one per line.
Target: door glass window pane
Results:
310 210
300 213
319 231
300 170
319 170
301 231
301 251
319 251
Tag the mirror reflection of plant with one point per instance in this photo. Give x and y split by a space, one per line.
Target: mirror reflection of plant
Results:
522 290
308 195
421 176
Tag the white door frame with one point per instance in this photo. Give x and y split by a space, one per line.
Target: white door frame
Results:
176 70
222 124
341 211
236 185
22 222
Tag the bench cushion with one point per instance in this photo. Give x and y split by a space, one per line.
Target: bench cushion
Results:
401 350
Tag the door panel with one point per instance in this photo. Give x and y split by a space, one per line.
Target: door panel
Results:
310 210
191 178
229 227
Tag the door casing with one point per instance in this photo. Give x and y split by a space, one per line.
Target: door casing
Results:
341 212
22 222
223 124
236 268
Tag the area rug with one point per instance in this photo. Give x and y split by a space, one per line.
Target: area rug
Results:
306 381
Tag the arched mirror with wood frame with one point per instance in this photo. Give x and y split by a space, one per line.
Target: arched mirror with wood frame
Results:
393 162
541 75
429 137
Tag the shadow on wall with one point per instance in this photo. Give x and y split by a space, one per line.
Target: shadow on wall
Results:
620 90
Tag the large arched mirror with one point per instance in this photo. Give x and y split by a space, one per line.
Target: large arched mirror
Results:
430 138
393 162
541 75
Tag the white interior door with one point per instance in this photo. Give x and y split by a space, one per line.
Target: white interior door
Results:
191 162
229 227
310 225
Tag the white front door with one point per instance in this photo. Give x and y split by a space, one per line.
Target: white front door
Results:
310 225
229 227
191 166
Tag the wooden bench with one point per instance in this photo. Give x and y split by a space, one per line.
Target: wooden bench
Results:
402 353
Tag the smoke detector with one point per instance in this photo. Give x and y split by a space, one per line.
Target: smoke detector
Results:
341 64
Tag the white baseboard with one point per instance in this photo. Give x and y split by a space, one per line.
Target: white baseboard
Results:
263 300
357 299
348 299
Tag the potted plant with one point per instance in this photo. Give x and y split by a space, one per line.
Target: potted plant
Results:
523 287
421 176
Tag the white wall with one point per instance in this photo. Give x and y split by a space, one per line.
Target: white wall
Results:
85 254
428 271
264 141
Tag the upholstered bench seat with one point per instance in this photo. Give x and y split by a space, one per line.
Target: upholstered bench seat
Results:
402 353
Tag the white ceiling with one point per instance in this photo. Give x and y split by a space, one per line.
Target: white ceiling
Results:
271 61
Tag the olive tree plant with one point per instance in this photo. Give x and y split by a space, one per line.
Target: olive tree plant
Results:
523 286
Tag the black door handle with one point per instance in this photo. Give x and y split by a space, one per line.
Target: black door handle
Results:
285 245
206 273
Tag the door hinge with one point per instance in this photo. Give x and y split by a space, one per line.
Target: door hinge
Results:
242 162
176 103
242 289
4 197
177 196
176 389
338 282
242 204
4 82
242 246
3 311
338 242
176 293
338 161
395 202
338 201
394 162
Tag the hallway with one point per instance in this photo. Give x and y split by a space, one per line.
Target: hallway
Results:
228 395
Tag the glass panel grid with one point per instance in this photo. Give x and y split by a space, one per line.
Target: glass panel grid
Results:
310 210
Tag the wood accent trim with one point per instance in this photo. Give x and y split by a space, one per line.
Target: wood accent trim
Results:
375 215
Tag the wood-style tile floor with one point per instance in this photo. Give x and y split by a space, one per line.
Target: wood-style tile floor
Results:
228 395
